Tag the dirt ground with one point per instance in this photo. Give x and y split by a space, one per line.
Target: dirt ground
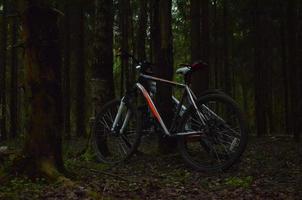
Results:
271 168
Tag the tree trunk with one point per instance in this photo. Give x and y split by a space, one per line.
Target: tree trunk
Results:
155 34
124 27
285 76
200 43
195 9
80 71
43 143
292 63
142 30
299 74
3 72
165 71
260 79
66 72
216 79
14 82
132 42
226 31
102 82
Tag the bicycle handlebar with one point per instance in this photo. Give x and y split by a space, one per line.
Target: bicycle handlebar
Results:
123 53
144 65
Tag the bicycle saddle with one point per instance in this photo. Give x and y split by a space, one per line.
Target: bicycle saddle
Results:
190 68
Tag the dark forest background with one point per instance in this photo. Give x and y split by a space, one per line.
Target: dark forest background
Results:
253 49
59 65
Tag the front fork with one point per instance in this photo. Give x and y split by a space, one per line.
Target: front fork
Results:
118 116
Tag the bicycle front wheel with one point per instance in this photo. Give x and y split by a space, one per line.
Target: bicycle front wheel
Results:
113 147
220 139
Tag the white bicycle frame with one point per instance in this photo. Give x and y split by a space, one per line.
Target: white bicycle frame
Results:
153 108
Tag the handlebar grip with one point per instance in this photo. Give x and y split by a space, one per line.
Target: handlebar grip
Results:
146 67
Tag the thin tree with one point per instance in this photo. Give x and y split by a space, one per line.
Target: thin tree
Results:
292 22
299 63
66 69
165 70
195 11
14 79
154 30
142 30
200 45
260 76
124 28
3 71
215 39
285 72
226 31
80 69
102 71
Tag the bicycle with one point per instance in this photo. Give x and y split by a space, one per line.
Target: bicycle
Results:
210 137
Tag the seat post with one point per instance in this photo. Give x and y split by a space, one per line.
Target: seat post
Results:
187 78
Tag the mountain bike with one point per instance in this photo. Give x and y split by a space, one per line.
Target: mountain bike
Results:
210 131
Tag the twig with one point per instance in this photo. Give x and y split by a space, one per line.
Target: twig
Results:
104 189
109 174
17 14
105 173
58 11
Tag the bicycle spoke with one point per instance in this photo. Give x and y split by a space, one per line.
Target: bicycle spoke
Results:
105 123
224 136
125 139
111 118
119 146
106 115
224 141
123 147
197 122
213 148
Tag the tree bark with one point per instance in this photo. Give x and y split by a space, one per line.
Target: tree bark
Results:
142 30
80 70
195 10
260 72
155 28
299 74
132 41
292 22
102 82
200 43
66 70
165 71
124 27
43 143
3 72
285 75
14 81
226 31
215 62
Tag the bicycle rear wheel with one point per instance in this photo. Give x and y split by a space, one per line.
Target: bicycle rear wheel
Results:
219 144
112 146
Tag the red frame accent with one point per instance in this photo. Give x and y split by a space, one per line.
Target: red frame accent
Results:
150 104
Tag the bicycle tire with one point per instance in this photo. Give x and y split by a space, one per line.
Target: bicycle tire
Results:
103 148
207 138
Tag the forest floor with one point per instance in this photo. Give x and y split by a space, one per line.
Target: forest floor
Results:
271 168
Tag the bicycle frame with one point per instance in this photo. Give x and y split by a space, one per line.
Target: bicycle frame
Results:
187 93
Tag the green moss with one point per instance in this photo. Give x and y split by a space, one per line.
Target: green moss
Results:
244 182
48 169
22 188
